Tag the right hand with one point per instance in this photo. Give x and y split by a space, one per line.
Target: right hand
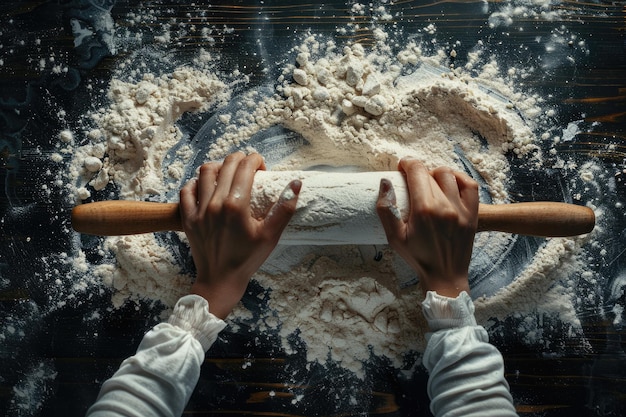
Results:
437 238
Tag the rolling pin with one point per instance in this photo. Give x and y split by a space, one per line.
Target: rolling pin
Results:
333 208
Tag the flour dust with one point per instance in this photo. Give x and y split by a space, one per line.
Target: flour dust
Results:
361 108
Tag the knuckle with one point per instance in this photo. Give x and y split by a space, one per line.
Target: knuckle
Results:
253 158
413 165
287 209
449 215
468 221
425 210
231 205
251 162
442 214
259 236
381 207
207 168
214 208
189 223
386 213
472 184
234 157
190 218
467 180
443 170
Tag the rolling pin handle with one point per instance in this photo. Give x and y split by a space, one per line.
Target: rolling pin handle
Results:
115 218
540 218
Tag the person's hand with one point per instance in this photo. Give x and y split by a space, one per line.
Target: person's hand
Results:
437 238
227 243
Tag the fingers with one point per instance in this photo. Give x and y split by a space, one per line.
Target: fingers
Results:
188 199
226 188
226 176
419 183
243 179
457 187
281 212
468 190
446 180
231 179
207 182
388 212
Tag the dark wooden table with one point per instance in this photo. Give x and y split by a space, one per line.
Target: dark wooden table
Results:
67 356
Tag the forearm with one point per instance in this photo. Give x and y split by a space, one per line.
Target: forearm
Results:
466 371
159 379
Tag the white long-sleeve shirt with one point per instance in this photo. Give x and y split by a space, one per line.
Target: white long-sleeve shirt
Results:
159 379
466 372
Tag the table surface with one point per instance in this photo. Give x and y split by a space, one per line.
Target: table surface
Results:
74 356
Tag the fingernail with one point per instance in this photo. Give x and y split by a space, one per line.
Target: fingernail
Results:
291 191
296 186
388 195
387 192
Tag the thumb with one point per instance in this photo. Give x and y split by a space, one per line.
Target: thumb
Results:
388 212
282 211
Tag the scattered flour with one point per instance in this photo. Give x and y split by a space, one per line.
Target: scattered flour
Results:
29 395
510 11
356 107
534 289
138 128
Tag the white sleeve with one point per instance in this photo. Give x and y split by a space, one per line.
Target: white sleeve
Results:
159 379
466 371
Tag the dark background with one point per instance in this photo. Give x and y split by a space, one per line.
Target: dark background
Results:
65 354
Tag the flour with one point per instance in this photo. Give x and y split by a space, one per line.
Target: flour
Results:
142 257
349 306
557 260
333 209
138 129
359 110
128 148
30 394
512 10
345 126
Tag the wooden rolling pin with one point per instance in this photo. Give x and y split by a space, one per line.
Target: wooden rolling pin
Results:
333 208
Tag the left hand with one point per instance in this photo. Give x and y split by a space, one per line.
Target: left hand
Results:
228 245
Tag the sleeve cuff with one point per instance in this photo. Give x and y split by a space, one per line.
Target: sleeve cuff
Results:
445 312
191 313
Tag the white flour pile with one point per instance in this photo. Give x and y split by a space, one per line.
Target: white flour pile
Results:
138 129
357 107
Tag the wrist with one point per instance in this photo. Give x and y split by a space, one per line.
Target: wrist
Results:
221 302
445 286
222 295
